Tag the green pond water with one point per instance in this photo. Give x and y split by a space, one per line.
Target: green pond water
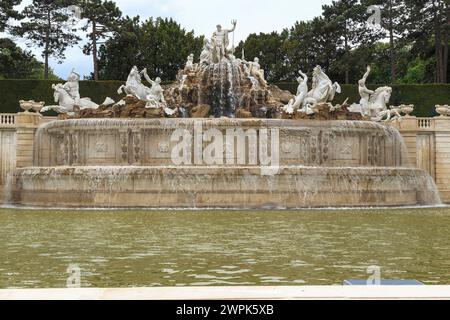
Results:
177 248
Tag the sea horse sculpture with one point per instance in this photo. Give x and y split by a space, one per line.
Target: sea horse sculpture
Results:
373 104
68 96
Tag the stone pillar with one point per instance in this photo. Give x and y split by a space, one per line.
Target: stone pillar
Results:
408 128
26 125
442 139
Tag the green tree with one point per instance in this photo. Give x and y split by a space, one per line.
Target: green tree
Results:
47 27
311 43
102 19
16 63
160 45
429 26
7 11
270 48
347 20
121 51
394 14
165 47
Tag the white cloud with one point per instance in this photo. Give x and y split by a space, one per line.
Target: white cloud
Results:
202 16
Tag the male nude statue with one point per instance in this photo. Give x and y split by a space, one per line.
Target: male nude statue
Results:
156 95
363 91
221 41
72 85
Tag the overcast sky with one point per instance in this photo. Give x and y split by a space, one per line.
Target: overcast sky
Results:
202 16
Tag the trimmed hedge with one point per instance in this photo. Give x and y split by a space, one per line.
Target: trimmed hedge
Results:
423 96
11 91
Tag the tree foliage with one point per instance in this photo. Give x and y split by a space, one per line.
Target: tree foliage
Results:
270 48
47 27
160 45
16 63
410 45
102 18
7 12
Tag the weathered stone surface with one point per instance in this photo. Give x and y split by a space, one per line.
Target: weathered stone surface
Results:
131 108
325 148
283 96
242 113
323 112
293 187
301 142
200 111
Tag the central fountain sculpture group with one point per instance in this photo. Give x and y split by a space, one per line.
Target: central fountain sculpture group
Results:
221 85
220 163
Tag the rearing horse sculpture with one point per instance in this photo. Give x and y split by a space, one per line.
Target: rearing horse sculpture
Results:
323 89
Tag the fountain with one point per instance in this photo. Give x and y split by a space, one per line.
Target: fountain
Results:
221 137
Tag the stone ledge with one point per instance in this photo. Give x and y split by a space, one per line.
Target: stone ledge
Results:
234 293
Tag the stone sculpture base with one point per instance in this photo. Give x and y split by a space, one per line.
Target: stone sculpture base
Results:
213 187
130 163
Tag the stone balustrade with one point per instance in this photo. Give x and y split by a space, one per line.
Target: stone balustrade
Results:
17 142
7 120
428 143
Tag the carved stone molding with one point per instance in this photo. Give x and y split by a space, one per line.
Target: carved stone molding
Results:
124 137
163 147
137 146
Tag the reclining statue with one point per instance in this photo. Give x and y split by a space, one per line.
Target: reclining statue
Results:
255 71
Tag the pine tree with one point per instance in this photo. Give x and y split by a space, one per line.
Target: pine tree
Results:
47 27
270 49
102 19
347 20
434 17
16 63
394 14
7 12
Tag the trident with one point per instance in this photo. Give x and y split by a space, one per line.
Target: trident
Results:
233 22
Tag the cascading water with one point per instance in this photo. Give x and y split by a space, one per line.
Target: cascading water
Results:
222 88
8 188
